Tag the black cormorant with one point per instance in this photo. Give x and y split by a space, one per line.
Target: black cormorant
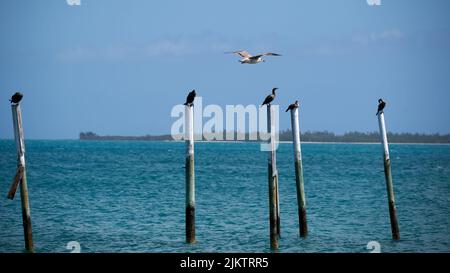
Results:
16 98
292 106
381 105
270 97
190 98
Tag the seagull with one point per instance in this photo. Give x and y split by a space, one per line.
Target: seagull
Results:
292 106
270 97
16 98
190 98
381 105
249 59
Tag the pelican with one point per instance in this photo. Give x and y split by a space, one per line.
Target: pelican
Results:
381 105
249 59
190 98
270 97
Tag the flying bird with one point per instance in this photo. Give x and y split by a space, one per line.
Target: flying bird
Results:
190 98
292 106
381 105
270 97
249 59
16 98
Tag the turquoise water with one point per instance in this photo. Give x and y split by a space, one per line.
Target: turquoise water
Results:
129 197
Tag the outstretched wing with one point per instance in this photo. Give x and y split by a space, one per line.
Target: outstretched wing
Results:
242 53
270 54
264 54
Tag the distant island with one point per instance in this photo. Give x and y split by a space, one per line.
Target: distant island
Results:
324 136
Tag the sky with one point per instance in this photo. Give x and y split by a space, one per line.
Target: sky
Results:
117 67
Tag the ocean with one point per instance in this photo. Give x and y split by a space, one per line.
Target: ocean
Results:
128 196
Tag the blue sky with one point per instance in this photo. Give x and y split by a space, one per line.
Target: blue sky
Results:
118 67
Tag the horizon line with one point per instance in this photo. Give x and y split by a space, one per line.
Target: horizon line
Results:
281 131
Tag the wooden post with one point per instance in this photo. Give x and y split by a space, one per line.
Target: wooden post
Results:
15 183
301 200
387 172
277 196
22 176
274 217
190 175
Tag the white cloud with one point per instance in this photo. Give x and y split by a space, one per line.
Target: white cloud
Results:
76 54
169 48
373 2
160 48
390 35
352 44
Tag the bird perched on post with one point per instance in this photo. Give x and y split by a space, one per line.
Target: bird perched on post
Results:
270 97
190 98
16 98
293 106
249 59
381 105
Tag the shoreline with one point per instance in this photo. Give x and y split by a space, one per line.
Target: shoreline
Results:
234 141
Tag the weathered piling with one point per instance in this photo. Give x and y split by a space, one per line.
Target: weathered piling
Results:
15 183
274 216
387 172
301 200
21 177
190 175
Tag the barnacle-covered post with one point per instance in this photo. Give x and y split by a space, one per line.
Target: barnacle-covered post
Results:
274 205
21 177
301 200
387 173
190 174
